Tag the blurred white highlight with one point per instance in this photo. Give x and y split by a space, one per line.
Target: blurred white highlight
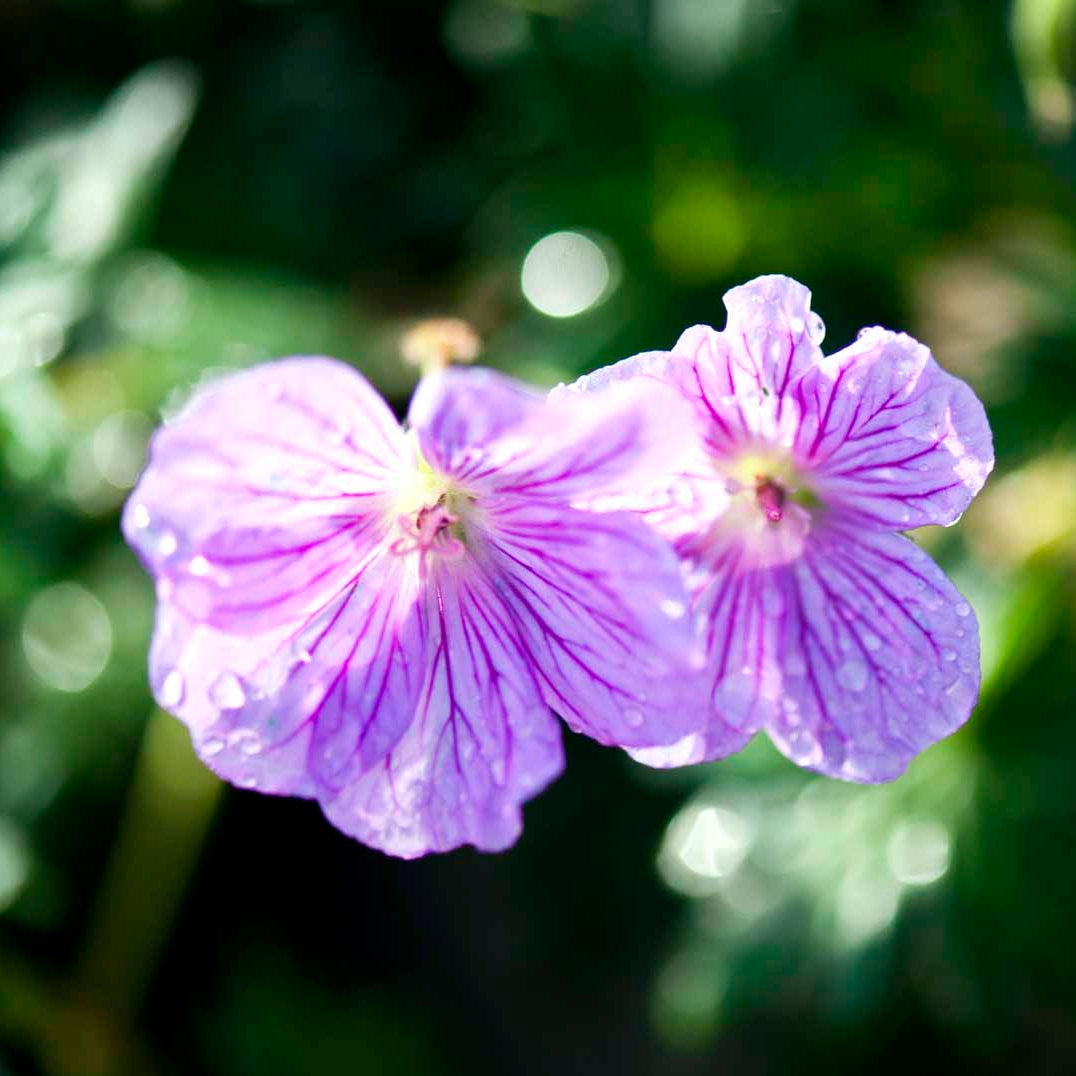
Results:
67 637
566 273
139 127
866 905
482 33
119 447
14 862
150 301
704 843
918 852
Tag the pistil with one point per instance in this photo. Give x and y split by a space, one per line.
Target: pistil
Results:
771 497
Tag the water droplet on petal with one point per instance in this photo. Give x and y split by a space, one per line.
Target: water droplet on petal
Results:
948 654
246 741
227 692
248 781
140 516
496 769
962 609
172 690
167 543
672 609
634 717
871 641
852 674
212 746
803 747
198 566
816 328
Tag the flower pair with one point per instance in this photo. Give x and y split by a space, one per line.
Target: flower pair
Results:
672 554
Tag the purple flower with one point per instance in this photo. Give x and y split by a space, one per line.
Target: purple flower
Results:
380 619
824 625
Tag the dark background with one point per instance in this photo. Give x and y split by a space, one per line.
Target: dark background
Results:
188 185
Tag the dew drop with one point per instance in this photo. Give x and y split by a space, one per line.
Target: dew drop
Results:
245 741
672 608
962 609
634 717
212 747
140 516
852 674
816 328
173 688
198 566
248 781
226 692
167 543
803 747
496 769
948 654
871 641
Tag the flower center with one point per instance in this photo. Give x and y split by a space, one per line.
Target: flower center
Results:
434 528
770 481
771 497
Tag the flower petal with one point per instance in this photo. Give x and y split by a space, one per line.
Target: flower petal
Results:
299 710
605 615
573 445
481 743
265 491
891 437
458 413
737 600
771 337
880 655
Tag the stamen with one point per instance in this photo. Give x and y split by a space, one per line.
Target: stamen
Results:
433 344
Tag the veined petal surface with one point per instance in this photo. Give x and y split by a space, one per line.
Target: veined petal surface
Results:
771 338
459 414
606 618
482 740
262 495
879 655
569 446
304 708
889 436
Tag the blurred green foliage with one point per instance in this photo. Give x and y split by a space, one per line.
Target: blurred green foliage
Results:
193 185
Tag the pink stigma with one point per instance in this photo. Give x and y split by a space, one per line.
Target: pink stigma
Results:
771 498
428 531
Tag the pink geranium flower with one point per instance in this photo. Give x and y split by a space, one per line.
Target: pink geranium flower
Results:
381 618
824 624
